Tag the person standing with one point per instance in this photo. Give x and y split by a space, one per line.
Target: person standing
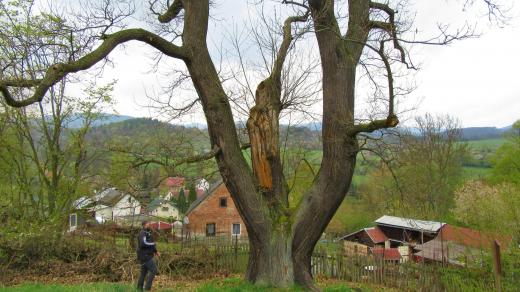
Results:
146 250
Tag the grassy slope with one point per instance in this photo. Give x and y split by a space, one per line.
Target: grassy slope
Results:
489 143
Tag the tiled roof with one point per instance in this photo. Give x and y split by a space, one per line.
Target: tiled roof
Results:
376 234
411 224
391 254
469 237
175 181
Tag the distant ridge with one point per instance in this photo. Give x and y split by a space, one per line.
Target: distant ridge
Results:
77 120
482 133
468 133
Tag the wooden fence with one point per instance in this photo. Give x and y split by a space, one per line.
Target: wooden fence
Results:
408 276
225 255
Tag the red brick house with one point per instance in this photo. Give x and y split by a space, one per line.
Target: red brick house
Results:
215 214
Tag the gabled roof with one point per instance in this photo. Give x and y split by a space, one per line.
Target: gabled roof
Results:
82 202
410 224
204 196
110 196
375 234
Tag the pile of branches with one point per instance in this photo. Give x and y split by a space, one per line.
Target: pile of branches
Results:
51 258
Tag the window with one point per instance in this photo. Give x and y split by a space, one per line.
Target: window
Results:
210 229
236 229
73 220
223 202
165 209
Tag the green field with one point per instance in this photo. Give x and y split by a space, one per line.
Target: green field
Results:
476 172
492 144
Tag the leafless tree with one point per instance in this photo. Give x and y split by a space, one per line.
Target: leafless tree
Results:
282 237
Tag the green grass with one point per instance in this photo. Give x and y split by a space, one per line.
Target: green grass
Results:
238 285
89 287
488 143
476 172
227 285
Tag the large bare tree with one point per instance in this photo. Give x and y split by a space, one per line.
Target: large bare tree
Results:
282 237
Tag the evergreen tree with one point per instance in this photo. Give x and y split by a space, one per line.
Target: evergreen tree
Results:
192 194
181 202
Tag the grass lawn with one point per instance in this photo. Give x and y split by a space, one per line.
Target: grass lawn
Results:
232 284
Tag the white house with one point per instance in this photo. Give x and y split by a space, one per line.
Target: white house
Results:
163 209
112 203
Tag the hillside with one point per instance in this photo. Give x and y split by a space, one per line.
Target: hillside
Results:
77 120
144 130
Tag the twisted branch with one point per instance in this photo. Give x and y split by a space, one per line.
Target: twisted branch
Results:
58 71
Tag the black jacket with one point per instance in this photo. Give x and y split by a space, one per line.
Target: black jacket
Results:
146 247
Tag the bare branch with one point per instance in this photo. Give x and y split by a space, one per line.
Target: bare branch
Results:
389 26
296 3
173 10
286 43
58 71
191 159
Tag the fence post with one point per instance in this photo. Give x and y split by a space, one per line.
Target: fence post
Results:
498 265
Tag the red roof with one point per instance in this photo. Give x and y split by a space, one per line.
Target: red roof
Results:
376 234
470 237
391 254
160 225
176 181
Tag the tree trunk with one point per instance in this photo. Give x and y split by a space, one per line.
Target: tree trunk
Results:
270 263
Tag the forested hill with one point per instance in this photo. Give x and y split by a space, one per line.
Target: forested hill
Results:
77 120
140 130
483 133
143 130
307 137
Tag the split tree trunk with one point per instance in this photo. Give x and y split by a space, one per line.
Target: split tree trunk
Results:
281 240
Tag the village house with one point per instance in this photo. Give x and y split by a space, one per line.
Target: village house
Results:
163 209
107 205
175 184
112 203
215 214
80 214
407 231
360 242
393 238
402 239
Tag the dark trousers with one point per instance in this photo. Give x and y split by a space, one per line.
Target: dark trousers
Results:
149 268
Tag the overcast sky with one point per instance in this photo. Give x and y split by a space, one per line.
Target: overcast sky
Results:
475 80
